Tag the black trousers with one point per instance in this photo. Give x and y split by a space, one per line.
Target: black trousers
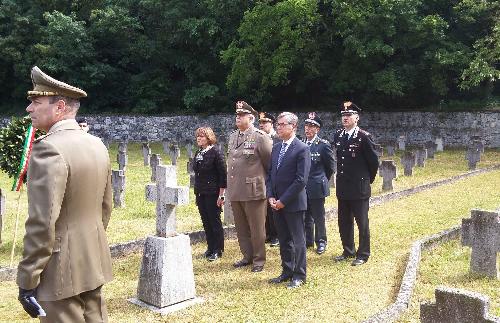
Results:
290 228
270 226
348 211
212 224
315 221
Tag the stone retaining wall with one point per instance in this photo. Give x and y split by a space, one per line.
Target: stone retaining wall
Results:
455 127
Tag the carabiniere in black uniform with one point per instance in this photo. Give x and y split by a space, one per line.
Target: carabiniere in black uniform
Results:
357 165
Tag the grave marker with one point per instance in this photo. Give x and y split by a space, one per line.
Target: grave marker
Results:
481 232
439 144
118 182
146 153
388 172
408 160
402 143
431 149
155 160
166 276
473 156
455 305
421 156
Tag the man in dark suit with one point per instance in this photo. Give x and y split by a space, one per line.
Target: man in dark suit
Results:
357 165
318 185
266 124
286 181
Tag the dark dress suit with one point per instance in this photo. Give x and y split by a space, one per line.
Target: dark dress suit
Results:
210 176
287 184
318 187
357 165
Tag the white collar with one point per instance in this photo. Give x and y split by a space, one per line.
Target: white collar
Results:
207 149
312 140
289 141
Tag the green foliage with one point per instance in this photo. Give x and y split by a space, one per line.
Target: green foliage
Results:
191 56
11 145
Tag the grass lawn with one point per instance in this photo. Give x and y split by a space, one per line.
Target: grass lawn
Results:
334 292
137 219
448 265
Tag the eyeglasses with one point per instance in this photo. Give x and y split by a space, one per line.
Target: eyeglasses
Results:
281 124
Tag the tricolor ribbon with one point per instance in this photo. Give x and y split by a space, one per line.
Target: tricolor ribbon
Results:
23 165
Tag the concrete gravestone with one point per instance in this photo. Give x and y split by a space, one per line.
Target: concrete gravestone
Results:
456 306
2 212
421 156
402 143
408 160
154 161
190 171
481 232
439 144
388 172
146 153
379 150
166 275
189 149
166 146
431 149
122 158
118 181
473 156
175 153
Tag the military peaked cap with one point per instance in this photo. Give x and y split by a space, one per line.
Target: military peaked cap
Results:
243 107
314 119
44 85
349 108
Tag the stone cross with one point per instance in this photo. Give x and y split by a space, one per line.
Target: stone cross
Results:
118 181
122 160
166 146
2 212
155 160
439 144
421 156
473 156
478 143
390 149
482 232
175 153
455 305
167 196
146 153
388 172
402 143
431 149
408 160
379 150
166 276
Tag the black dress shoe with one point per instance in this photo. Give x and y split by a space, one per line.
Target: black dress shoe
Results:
321 248
342 258
214 256
241 263
274 242
281 278
207 253
257 269
295 283
357 262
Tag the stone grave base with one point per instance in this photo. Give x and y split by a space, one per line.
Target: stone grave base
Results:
168 309
166 277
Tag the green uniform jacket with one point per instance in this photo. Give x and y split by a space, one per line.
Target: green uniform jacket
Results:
69 196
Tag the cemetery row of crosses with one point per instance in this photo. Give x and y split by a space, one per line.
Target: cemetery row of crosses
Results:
166 274
167 254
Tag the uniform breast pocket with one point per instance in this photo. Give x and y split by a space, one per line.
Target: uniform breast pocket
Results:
256 185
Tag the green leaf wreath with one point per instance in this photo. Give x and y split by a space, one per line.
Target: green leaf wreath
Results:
11 144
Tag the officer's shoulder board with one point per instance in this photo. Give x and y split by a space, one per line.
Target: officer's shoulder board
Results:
364 132
46 135
261 132
323 141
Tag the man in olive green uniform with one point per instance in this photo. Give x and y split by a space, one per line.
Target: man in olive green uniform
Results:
66 257
249 156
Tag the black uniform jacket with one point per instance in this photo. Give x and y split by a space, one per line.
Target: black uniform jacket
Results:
357 164
210 171
322 164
